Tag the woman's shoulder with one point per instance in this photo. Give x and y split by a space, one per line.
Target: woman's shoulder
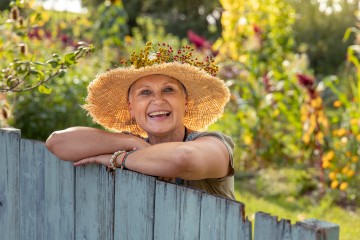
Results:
217 134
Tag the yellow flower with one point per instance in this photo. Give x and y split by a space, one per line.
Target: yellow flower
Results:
355 159
325 164
332 175
350 173
348 153
334 184
306 138
343 186
337 145
320 137
329 156
337 103
345 170
358 137
354 121
341 132
248 139
128 39
316 103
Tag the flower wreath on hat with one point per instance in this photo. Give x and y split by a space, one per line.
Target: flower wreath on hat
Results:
207 95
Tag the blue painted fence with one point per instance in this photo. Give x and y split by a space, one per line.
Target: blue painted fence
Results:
44 198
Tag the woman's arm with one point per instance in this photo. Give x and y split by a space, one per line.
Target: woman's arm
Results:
77 143
205 157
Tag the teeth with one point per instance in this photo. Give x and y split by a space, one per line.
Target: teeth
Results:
153 114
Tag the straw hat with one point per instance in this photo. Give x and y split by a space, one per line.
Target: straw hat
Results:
107 100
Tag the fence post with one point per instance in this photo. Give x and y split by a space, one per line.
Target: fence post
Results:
9 183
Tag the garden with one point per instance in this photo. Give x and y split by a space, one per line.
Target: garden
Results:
293 68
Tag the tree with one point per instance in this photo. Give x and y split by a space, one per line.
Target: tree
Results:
319 30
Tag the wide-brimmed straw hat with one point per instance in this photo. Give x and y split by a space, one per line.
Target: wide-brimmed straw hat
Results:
207 95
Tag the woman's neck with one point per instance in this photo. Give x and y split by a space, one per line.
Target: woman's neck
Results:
178 135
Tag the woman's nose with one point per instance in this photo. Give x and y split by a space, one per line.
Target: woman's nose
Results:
158 99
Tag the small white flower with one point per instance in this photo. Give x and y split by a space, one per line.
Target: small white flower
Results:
152 56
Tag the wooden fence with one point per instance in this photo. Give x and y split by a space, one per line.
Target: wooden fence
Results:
44 198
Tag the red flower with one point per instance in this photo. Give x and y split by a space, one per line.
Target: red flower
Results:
305 80
257 30
199 41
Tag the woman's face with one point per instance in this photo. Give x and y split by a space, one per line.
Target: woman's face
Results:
158 104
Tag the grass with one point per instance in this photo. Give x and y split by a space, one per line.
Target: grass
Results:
273 192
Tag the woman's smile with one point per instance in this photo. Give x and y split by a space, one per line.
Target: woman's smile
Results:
159 114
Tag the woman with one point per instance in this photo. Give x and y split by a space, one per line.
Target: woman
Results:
156 109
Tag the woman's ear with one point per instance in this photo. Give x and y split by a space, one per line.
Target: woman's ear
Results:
186 106
130 109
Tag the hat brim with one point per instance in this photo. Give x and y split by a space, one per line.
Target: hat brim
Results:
107 101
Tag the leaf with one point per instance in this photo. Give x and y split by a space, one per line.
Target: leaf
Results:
44 90
39 74
53 63
62 72
70 59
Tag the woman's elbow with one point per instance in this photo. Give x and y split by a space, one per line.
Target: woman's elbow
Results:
53 143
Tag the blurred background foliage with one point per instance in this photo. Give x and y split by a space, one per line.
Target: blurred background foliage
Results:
292 67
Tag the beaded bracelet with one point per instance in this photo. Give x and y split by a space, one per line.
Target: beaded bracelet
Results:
112 161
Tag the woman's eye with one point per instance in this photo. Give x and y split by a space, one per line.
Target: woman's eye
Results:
145 92
168 89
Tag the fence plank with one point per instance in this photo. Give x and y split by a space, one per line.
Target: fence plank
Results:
269 228
59 198
212 222
32 190
94 203
134 201
316 229
9 183
236 226
177 212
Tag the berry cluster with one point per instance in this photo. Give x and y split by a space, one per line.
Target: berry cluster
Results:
164 53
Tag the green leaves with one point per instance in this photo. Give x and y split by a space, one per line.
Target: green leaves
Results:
70 59
36 73
21 69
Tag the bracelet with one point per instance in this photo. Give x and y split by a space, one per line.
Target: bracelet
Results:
124 159
112 161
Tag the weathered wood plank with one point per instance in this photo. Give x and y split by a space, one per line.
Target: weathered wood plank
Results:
94 203
134 204
268 227
32 190
236 226
316 229
9 183
212 222
177 212
59 198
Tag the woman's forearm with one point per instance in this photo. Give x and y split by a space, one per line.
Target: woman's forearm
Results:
76 143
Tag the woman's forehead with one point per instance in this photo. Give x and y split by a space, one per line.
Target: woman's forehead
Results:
155 79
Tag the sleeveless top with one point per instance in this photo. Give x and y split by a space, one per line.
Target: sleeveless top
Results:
223 187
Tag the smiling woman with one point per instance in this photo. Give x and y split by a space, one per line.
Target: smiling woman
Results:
157 109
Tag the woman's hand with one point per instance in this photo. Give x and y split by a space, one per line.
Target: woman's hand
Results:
100 159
